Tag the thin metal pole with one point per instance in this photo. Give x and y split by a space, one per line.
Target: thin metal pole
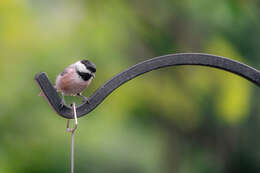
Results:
72 152
72 130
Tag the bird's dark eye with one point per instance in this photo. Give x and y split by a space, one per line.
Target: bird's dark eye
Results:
84 76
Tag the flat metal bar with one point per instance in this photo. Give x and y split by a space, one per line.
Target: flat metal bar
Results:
207 60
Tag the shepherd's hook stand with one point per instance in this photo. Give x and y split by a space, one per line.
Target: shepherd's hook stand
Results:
72 130
214 61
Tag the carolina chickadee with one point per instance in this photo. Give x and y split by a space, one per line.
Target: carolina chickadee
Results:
75 78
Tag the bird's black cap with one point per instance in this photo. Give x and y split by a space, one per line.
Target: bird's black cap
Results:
89 65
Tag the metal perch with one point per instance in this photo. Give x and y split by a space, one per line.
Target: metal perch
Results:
219 62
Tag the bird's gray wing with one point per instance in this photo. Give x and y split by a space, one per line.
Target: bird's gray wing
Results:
67 70
64 72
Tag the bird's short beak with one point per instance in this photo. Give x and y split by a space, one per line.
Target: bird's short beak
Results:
93 74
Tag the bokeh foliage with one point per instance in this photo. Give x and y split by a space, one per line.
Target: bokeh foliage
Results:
181 119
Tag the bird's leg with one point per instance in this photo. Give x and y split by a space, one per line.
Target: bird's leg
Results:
63 103
85 99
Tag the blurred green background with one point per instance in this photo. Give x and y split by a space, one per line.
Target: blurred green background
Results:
178 119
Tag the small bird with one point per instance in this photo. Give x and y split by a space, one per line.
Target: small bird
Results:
75 79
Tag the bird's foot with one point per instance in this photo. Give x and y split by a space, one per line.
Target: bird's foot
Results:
62 104
85 99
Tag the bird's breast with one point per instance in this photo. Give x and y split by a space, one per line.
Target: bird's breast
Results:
71 84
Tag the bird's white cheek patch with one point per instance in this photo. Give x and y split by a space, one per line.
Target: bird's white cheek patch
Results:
81 67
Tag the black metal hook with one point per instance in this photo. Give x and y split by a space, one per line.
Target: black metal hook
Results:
223 63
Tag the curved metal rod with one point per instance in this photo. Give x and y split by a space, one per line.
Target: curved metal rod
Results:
235 67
